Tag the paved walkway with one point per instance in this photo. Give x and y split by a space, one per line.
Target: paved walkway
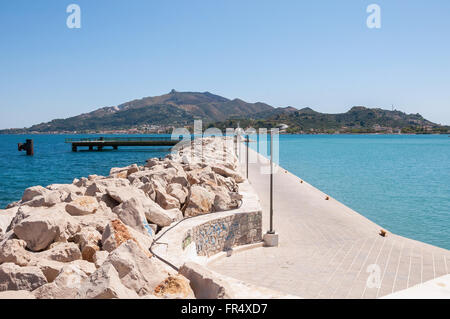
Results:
326 249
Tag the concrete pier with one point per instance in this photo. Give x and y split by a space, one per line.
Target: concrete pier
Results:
114 142
327 250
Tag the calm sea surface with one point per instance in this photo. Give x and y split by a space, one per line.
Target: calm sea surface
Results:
400 182
54 162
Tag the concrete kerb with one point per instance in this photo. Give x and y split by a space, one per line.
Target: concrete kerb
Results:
208 284
234 251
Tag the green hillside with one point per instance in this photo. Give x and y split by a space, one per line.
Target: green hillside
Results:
182 108
357 120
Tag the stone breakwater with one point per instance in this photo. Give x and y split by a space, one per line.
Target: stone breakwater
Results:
91 238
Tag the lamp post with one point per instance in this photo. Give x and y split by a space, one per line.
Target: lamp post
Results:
271 231
246 156
271 238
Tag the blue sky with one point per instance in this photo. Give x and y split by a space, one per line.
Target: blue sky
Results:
286 53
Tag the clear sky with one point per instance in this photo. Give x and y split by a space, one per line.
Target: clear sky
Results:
297 53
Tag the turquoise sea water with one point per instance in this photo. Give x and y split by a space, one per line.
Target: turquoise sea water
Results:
400 182
54 162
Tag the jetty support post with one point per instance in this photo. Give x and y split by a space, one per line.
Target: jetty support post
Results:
271 238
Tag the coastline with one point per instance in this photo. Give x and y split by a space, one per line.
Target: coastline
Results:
169 133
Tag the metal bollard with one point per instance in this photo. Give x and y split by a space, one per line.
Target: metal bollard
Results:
28 146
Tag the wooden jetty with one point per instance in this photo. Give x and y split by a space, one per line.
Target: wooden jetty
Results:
114 142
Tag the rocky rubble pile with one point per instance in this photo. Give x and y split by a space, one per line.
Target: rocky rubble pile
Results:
91 238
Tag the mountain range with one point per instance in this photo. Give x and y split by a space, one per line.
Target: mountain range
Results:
182 108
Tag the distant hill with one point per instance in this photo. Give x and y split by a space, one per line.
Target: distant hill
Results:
358 119
182 108
175 108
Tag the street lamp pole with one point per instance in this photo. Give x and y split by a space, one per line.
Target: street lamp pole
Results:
246 156
271 238
271 231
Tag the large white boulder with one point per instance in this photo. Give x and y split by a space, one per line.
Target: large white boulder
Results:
100 185
152 162
97 220
132 213
32 192
62 252
100 257
202 175
83 205
200 201
50 268
165 200
136 271
128 170
161 217
180 179
13 251
149 190
45 226
226 172
67 284
68 188
87 267
124 194
158 180
223 198
105 283
6 217
38 196
13 277
22 213
178 191
116 233
106 199
175 287
228 182
89 241
48 199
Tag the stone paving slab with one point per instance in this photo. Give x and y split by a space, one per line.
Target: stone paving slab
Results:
325 248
